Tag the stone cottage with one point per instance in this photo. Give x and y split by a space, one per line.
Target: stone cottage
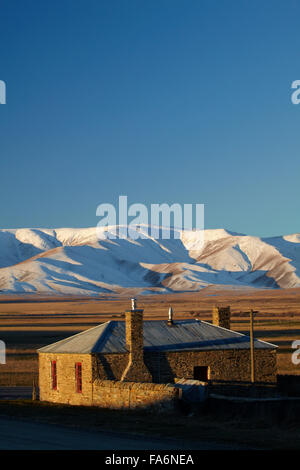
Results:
131 363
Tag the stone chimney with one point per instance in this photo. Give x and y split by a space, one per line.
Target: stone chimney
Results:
221 317
136 371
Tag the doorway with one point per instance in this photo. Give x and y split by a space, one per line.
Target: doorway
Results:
201 373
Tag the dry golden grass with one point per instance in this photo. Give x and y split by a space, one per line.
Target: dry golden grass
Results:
30 322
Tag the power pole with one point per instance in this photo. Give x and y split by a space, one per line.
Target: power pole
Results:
252 312
33 390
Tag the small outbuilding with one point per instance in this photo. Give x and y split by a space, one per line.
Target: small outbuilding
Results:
133 362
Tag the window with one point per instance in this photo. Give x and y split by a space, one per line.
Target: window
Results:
53 375
201 373
78 377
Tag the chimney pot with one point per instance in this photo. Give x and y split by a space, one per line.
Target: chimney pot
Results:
170 319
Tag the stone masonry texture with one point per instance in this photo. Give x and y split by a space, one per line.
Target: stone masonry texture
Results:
122 395
225 366
135 369
141 379
221 316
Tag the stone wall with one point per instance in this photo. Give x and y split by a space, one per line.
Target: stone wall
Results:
66 384
124 395
104 393
109 366
224 365
227 366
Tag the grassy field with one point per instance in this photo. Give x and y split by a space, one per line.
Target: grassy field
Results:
30 322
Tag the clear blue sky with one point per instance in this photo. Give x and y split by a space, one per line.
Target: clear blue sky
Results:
161 100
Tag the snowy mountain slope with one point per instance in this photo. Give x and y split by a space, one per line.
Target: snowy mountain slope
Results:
75 261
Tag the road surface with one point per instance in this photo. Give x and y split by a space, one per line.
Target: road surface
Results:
27 435
14 393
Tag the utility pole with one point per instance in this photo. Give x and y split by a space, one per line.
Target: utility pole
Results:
252 313
34 390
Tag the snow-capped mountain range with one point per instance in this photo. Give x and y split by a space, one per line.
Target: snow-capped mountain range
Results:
74 261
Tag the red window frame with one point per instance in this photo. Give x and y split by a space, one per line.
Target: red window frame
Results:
53 375
78 377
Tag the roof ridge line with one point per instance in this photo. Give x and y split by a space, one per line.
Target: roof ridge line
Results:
238 333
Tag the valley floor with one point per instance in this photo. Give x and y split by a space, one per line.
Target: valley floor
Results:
30 322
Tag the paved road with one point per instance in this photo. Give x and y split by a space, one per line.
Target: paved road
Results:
26 435
13 393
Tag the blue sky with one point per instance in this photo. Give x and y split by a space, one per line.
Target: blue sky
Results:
161 100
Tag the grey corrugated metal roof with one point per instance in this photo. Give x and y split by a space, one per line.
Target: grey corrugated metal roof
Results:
189 335
84 342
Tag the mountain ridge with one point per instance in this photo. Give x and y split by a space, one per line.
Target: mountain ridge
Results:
75 261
